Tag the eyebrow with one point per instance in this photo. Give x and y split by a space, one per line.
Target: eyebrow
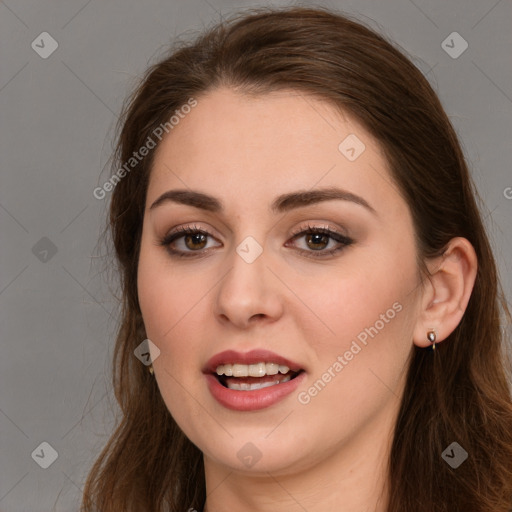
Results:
282 203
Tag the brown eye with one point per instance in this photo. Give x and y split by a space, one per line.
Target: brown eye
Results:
195 241
186 242
318 238
318 241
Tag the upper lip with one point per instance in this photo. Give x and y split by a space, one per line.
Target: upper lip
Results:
251 357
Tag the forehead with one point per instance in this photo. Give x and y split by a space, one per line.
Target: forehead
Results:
258 147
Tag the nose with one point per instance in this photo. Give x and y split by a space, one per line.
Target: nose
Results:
249 292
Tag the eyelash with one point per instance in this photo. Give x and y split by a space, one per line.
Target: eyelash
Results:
193 230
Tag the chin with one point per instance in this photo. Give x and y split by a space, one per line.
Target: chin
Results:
253 454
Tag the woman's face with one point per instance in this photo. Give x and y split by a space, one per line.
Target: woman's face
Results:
255 279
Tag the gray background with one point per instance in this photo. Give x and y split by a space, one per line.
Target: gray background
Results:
58 316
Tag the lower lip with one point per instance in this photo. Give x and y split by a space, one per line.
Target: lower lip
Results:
252 400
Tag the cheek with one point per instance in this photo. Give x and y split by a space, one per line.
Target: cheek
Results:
167 299
370 315
369 292
167 292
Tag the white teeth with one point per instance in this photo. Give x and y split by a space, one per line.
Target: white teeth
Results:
272 368
257 370
243 386
240 370
225 369
251 370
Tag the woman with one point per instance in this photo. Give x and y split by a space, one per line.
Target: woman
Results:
302 256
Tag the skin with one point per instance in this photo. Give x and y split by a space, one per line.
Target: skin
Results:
328 454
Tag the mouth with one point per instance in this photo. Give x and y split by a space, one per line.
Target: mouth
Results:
249 381
244 377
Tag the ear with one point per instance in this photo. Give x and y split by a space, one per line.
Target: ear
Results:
447 291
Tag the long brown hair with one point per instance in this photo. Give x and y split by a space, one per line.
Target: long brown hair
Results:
458 393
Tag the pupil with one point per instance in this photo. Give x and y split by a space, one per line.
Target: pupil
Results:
194 238
319 235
